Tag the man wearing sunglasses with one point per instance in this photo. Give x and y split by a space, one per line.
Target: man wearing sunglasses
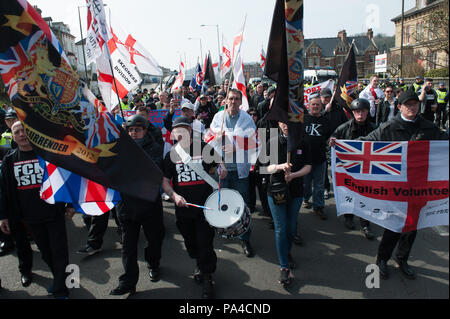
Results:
388 108
135 213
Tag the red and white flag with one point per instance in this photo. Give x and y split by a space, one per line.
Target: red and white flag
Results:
226 59
263 59
237 43
135 53
116 75
239 81
401 186
179 80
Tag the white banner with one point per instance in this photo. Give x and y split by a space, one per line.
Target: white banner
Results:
401 186
316 89
381 63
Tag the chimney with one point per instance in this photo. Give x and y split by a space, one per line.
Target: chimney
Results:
38 10
342 35
370 34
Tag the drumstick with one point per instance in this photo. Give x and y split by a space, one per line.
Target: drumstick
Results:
198 206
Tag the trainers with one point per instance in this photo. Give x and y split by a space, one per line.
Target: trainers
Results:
326 195
88 250
197 275
285 276
307 204
367 232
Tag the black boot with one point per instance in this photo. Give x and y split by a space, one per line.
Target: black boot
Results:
405 268
207 287
247 248
383 267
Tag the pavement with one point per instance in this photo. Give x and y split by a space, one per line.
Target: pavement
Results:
331 265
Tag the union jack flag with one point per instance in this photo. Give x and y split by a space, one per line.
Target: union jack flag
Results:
61 186
378 158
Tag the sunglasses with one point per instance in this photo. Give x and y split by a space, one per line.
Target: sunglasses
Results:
389 91
253 114
137 129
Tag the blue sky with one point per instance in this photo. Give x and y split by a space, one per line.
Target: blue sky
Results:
164 26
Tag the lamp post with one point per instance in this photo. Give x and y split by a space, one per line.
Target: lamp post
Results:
201 48
218 41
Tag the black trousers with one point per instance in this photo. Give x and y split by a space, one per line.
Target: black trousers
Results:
256 180
51 239
441 115
362 221
391 239
199 241
97 226
24 252
154 230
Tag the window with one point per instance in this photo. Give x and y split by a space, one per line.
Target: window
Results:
422 32
406 36
417 32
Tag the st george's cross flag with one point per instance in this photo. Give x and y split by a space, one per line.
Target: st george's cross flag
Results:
117 75
401 186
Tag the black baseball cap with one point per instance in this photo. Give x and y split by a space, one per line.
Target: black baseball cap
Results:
406 96
137 120
11 114
181 121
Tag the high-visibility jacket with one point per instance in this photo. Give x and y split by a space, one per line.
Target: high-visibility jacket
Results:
441 96
6 139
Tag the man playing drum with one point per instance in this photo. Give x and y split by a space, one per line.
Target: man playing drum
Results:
189 187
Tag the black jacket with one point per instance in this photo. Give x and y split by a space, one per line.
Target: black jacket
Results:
352 130
336 116
399 130
263 108
132 208
383 111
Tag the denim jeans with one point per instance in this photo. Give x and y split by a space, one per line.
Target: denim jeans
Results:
316 176
232 181
285 221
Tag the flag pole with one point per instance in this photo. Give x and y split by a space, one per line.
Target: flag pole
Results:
232 70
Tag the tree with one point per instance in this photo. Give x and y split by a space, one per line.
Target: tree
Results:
412 64
432 36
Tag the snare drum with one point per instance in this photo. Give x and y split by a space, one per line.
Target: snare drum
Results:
232 218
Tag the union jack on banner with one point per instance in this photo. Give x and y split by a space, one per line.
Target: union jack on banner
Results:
379 158
61 186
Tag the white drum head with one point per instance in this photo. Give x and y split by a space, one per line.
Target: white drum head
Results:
231 210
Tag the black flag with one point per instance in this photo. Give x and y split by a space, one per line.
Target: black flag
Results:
63 120
284 65
348 83
209 78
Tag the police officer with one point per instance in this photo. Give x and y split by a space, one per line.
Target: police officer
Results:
406 126
402 85
441 112
356 127
418 84
10 119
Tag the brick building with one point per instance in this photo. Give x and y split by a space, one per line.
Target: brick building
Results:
331 52
419 33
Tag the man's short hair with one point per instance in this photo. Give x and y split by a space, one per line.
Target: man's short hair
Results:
236 91
142 109
373 77
428 80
